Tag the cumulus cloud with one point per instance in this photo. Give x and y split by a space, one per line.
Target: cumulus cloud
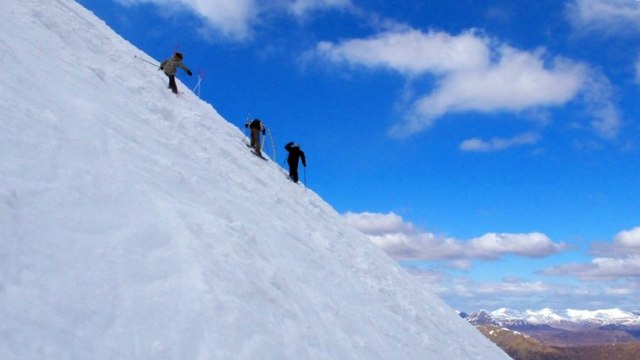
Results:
605 15
600 269
619 258
412 52
494 245
495 144
379 224
403 240
475 73
628 239
625 243
229 17
517 81
234 18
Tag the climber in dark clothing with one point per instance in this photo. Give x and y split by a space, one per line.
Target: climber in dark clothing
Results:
294 154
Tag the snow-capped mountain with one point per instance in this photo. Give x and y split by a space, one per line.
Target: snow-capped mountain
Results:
568 334
135 224
603 317
482 317
509 317
543 316
566 319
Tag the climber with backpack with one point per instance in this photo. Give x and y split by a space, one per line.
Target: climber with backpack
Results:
170 66
256 126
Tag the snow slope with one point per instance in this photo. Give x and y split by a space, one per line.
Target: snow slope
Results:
135 224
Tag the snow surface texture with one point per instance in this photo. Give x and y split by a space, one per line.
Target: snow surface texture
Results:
135 224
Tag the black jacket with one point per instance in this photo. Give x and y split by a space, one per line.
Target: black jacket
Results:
295 153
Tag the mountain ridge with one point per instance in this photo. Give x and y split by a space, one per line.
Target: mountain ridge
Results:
568 318
551 328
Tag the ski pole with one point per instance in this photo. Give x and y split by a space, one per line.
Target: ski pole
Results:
196 89
246 130
201 75
273 146
144 60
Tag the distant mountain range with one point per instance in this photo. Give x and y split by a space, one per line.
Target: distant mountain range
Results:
559 335
569 319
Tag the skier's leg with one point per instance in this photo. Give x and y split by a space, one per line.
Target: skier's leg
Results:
255 140
172 84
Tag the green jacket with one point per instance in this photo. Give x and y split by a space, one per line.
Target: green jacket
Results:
170 66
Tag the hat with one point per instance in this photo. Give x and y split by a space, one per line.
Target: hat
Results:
178 55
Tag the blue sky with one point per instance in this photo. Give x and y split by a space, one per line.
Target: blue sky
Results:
490 146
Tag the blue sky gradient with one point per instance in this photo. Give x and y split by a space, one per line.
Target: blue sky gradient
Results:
492 147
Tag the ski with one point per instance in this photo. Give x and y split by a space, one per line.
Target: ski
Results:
258 155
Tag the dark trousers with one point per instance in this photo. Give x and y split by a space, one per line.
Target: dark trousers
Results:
293 170
172 83
255 140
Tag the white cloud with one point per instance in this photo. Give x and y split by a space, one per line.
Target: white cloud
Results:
412 52
496 144
513 288
234 18
619 291
467 294
628 239
597 95
494 245
402 240
230 17
605 15
517 81
463 292
474 73
461 264
379 224
303 7
617 259
625 243
601 268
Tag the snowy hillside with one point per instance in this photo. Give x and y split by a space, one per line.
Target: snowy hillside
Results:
135 224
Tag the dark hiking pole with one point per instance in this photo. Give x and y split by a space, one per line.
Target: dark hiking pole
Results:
283 169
